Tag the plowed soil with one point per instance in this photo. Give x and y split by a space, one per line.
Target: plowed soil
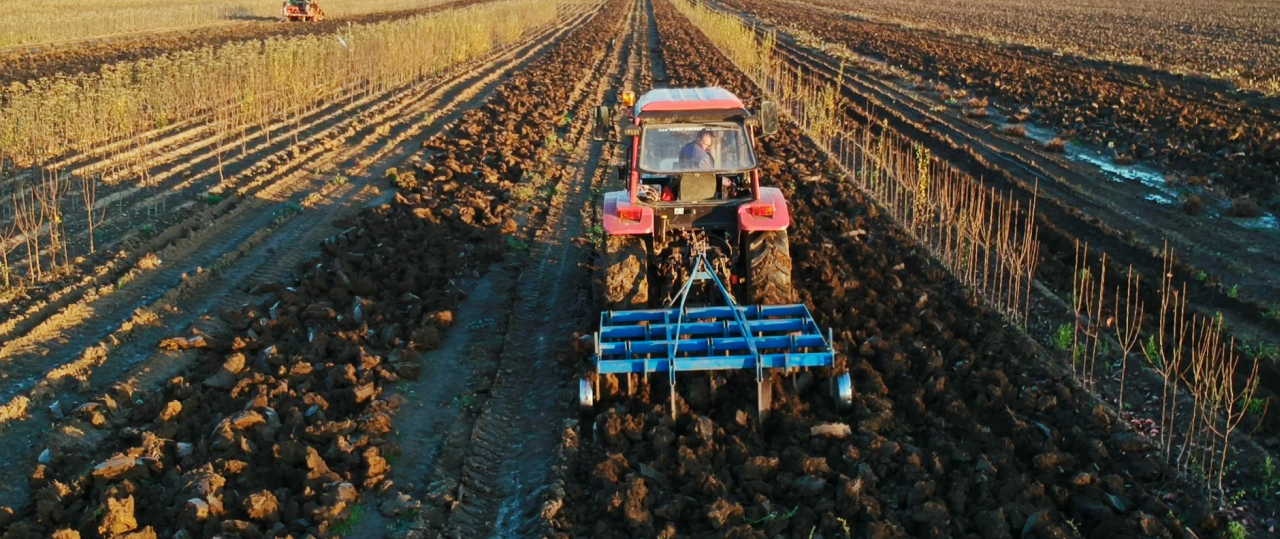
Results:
407 372
959 427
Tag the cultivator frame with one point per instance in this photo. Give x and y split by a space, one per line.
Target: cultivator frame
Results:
712 338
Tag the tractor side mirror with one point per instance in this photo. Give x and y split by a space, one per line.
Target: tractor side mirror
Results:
769 117
600 128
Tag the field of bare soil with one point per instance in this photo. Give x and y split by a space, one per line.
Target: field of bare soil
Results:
365 319
1222 39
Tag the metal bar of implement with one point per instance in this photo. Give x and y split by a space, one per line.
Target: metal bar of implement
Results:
694 329
701 313
712 363
776 343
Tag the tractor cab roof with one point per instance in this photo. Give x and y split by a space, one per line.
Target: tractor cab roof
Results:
689 100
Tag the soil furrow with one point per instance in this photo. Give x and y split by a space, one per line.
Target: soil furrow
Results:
504 476
1081 206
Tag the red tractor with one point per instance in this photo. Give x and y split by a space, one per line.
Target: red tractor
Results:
693 186
301 10
697 266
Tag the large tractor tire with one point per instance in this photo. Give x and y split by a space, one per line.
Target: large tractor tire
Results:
626 273
769 268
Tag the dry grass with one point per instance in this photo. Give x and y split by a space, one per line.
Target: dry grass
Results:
27 22
1057 145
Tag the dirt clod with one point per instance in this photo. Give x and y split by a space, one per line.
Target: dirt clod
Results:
118 517
724 513
262 506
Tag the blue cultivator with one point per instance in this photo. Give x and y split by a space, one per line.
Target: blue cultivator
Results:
719 338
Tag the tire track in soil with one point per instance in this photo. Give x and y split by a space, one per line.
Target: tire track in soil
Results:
270 261
512 441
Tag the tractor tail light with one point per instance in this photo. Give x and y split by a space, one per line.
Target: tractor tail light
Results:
630 213
764 211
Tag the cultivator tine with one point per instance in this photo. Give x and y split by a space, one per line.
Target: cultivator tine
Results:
764 399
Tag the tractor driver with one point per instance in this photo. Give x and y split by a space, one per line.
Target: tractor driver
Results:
696 155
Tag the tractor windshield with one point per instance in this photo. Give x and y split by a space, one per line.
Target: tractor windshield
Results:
703 147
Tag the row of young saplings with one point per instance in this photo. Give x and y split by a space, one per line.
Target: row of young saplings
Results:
990 242
50 126
1208 383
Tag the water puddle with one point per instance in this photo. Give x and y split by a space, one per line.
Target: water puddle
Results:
1265 222
1153 179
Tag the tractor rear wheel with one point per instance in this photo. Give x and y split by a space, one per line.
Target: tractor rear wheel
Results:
769 268
626 273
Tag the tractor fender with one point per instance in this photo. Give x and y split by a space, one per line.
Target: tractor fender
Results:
780 220
615 226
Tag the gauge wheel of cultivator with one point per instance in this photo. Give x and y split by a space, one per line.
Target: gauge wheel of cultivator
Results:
586 395
769 269
842 391
626 273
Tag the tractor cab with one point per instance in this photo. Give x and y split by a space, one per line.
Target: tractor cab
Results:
694 160
692 163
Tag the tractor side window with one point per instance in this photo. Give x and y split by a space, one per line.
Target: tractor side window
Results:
679 148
